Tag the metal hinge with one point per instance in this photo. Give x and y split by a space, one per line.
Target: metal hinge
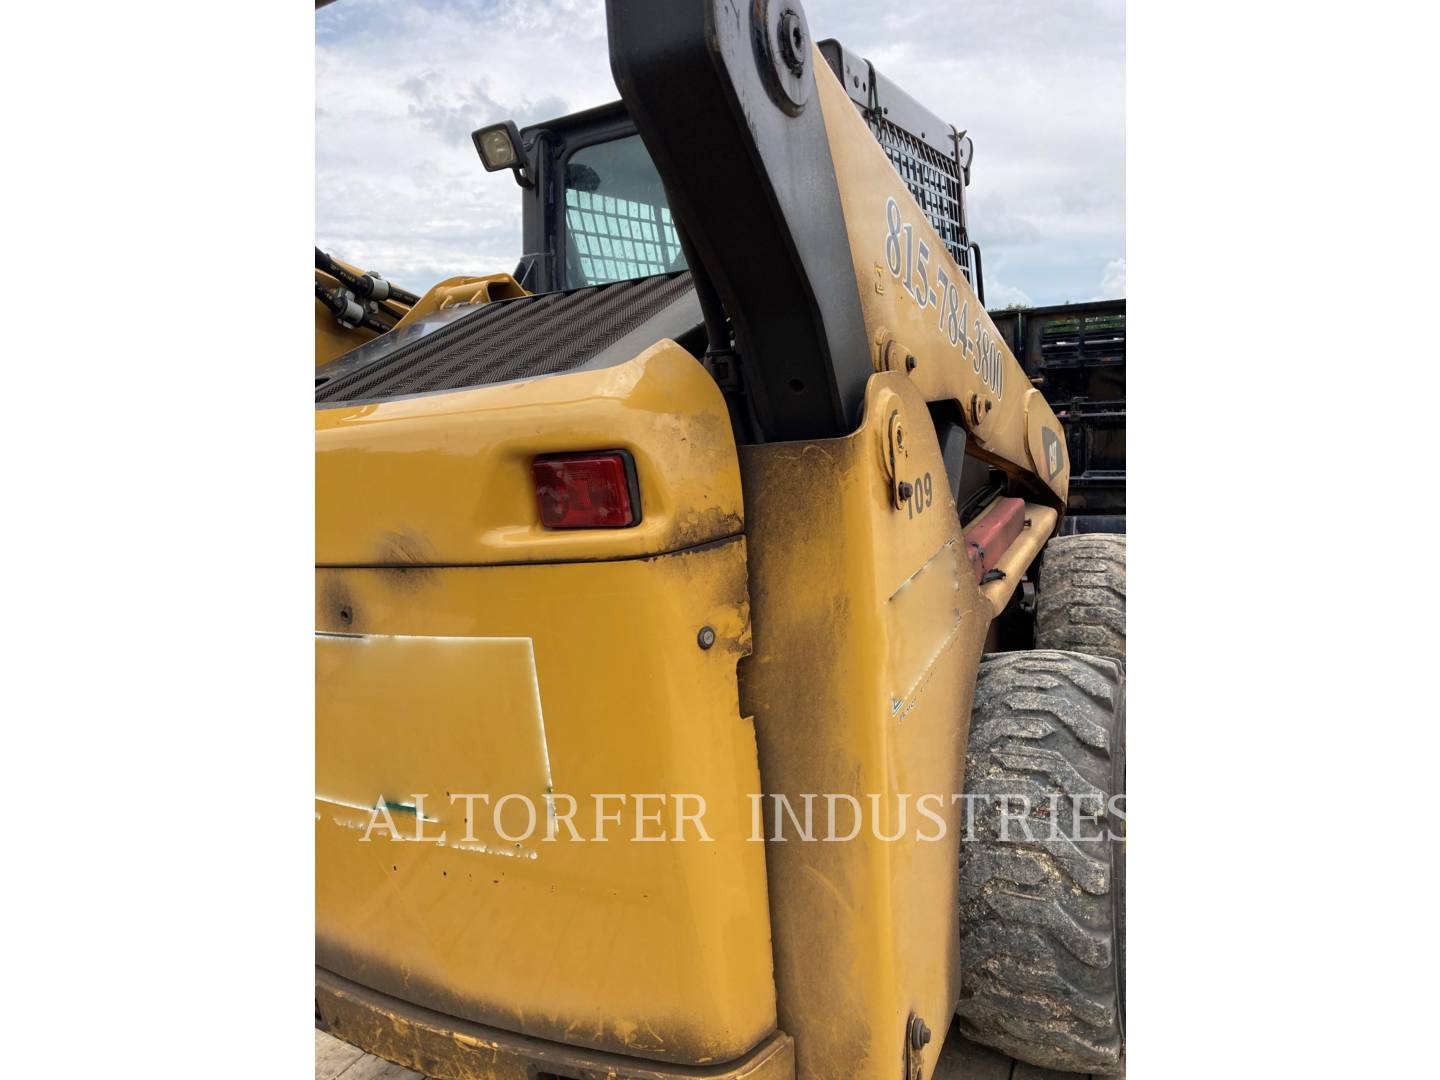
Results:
894 453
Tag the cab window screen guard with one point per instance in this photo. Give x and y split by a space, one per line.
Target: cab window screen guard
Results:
617 221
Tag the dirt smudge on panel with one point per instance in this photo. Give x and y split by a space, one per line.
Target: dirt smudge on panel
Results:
404 560
695 527
335 609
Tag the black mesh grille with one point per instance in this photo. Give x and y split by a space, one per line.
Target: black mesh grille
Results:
508 339
932 177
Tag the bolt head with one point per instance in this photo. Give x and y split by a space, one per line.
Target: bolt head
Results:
919 1033
792 41
706 638
904 489
910 362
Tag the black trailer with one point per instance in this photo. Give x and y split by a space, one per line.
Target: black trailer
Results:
1075 354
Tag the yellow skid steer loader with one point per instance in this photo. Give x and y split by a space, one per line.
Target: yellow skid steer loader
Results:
662 586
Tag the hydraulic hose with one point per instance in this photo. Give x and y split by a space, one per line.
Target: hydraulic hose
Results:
365 286
717 327
349 313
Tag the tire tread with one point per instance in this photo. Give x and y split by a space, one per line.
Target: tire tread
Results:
1080 601
1039 949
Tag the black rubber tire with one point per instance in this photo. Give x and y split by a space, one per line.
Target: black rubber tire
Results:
1042 916
1080 600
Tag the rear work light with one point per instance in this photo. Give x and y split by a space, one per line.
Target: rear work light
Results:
587 491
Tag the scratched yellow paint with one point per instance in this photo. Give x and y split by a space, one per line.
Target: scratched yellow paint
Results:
867 634
465 717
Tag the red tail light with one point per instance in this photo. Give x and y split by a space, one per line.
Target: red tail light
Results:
587 491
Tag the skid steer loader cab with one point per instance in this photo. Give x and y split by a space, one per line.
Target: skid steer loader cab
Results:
718 503
595 208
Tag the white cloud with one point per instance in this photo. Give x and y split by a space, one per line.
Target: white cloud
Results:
1112 283
1039 84
1000 295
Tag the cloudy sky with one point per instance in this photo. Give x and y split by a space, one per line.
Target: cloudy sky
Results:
400 84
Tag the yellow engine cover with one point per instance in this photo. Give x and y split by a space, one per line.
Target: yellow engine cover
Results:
463 651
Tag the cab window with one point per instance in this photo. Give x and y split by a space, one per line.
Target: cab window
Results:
617 221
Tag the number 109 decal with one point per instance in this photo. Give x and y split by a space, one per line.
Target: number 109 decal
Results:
908 258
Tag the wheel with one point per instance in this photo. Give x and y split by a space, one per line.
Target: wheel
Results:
1042 894
1080 599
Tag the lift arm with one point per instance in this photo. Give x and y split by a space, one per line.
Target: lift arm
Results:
727 111
828 268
